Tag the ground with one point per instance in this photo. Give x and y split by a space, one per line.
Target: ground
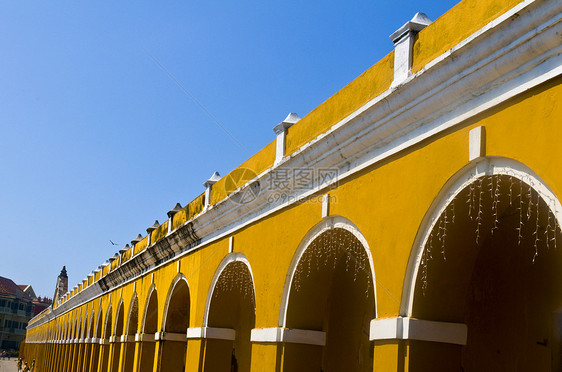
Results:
8 365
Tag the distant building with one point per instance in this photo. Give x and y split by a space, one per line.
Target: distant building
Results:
16 308
40 304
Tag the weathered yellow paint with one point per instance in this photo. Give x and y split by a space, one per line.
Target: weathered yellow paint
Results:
189 211
160 232
457 24
258 163
386 202
140 246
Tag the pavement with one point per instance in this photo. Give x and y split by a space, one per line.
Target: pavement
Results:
8 365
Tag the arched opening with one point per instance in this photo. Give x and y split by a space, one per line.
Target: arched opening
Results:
331 293
132 325
89 343
73 346
232 306
96 343
81 344
116 345
150 327
176 321
106 346
490 260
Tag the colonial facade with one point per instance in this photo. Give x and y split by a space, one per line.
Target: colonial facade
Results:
15 311
409 223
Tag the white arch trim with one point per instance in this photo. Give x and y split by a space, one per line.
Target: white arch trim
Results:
329 223
230 258
175 282
481 167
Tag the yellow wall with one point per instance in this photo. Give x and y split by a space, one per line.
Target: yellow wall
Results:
387 202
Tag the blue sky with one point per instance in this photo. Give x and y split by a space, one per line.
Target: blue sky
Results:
97 141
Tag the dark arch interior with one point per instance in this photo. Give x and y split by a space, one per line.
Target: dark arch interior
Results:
132 325
177 317
173 354
332 291
150 327
494 268
117 344
232 306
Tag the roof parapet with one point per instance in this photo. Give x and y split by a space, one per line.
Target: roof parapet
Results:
281 132
208 186
403 40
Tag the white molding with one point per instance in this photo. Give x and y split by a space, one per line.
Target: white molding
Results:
127 338
167 336
286 335
417 329
103 341
112 339
145 337
463 178
326 224
228 259
211 333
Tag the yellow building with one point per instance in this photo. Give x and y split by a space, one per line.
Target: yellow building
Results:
409 223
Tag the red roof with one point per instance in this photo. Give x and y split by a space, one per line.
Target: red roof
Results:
8 287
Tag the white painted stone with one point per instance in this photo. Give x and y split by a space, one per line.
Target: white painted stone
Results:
295 336
416 329
325 205
211 333
476 143
403 40
281 132
208 186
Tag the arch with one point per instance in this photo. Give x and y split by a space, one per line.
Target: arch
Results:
118 315
128 348
149 326
91 324
132 316
96 334
105 349
151 291
175 322
175 283
326 303
116 349
328 223
85 325
231 308
488 166
108 322
230 258
99 324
